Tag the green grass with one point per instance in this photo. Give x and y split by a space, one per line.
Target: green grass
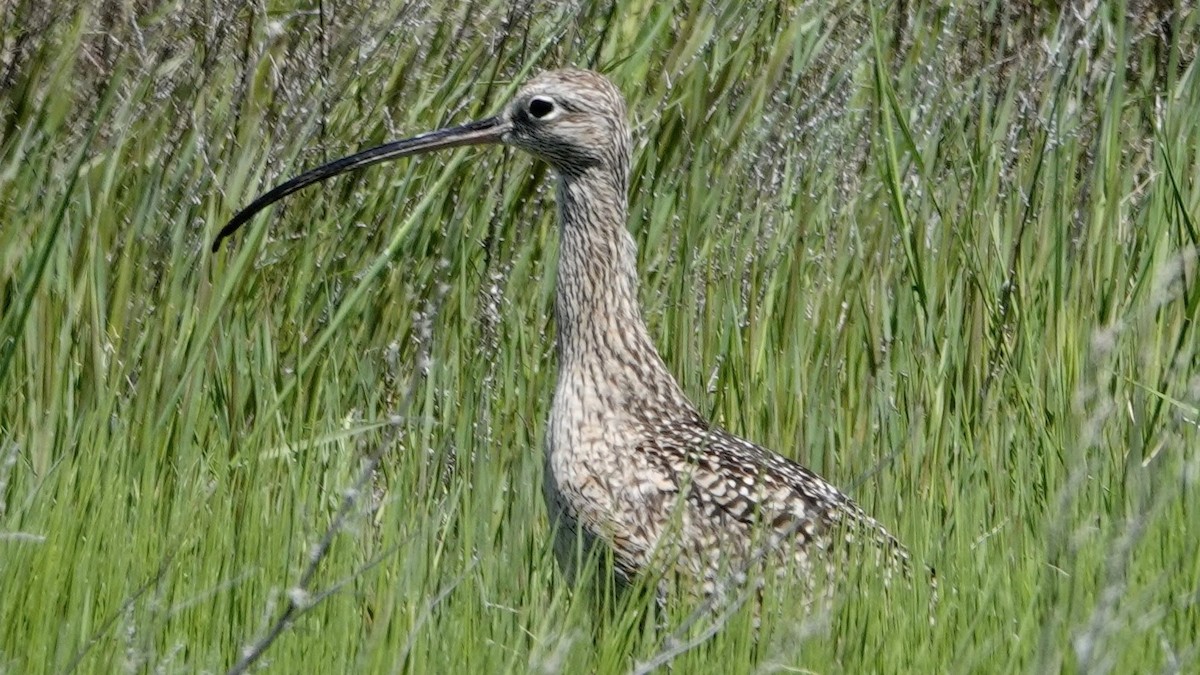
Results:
946 258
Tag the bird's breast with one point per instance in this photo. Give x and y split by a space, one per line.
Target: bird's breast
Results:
595 472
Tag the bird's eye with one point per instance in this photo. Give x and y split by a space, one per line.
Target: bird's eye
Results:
540 107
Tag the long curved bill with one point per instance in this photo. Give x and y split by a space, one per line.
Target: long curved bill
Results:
490 130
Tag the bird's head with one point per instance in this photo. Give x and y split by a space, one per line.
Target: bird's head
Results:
572 119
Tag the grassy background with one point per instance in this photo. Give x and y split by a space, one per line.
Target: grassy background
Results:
945 257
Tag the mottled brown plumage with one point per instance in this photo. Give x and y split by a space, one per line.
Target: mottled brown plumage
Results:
630 464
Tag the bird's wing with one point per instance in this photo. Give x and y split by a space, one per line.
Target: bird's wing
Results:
741 486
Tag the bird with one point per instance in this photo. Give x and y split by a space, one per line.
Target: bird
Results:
631 467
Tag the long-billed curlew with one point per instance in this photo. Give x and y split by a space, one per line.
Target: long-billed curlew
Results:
630 463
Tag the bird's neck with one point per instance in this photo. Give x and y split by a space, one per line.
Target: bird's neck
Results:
600 326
